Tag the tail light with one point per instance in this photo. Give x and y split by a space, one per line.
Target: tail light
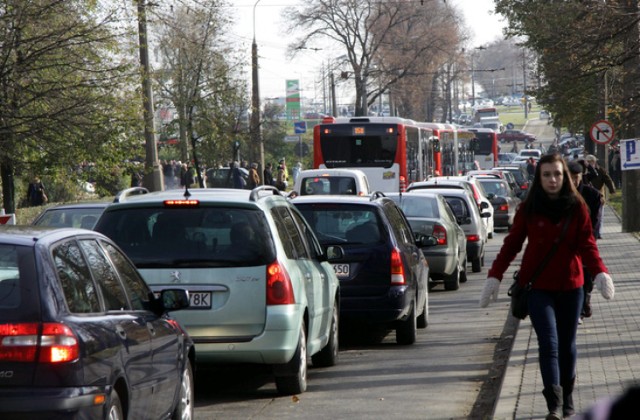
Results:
473 238
50 342
397 268
524 186
403 183
440 233
279 288
503 207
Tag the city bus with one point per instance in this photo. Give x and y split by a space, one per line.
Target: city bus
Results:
391 151
454 149
486 150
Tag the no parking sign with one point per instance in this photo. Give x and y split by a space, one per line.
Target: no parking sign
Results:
630 154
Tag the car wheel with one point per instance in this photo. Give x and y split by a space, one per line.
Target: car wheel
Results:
184 409
452 282
328 356
293 378
114 411
463 268
407 331
476 265
423 318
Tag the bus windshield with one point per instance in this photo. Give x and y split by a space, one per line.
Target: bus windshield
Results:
375 148
485 141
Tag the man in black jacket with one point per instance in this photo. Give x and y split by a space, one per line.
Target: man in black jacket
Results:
598 178
594 201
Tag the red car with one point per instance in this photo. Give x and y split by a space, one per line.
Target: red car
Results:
516 135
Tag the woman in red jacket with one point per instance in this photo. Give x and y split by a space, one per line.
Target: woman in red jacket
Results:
555 300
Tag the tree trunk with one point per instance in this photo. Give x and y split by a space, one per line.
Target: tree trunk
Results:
8 187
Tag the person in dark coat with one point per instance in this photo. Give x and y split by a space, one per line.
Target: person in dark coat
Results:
594 201
36 195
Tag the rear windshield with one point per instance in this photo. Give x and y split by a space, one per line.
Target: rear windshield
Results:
417 206
18 287
191 237
337 185
342 223
459 207
79 218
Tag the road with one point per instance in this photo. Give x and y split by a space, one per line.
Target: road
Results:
449 373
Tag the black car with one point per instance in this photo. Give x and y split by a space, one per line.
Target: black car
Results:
503 199
383 273
83 336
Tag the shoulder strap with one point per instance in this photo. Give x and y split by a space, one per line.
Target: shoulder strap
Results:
551 252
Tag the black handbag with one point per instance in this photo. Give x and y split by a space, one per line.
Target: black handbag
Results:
520 293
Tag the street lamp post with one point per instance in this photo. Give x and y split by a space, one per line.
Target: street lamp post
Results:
256 138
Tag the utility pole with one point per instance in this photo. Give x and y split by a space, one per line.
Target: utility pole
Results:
256 138
152 173
524 85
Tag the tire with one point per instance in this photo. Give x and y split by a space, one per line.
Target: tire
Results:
328 356
476 265
463 274
407 331
184 407
114 411
423 318
294 379
452 282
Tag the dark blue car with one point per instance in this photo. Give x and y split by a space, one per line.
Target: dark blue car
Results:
383 273
81 334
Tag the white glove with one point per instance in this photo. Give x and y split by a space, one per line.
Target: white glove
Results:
605 286
489 292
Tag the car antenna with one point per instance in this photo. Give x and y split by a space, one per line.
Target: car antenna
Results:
187 194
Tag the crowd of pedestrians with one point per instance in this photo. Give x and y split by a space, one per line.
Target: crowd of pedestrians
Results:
240 175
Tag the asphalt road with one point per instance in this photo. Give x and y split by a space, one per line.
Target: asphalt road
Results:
451 372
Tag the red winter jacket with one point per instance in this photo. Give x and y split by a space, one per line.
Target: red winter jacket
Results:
564 269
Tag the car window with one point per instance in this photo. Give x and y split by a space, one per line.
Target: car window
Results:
136 287
459 206
398 223
106 277
418 206
65 217
337 185
289 233
79 289
342 223
314 247
190 237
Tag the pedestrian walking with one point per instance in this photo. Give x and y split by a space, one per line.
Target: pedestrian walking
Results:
594 201
555 300
598 178
254 179
268 175
36 194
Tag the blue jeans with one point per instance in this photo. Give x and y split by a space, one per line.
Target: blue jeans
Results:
554 316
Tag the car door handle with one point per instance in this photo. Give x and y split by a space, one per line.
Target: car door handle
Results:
151 329
121 332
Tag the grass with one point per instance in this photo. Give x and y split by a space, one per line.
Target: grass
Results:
515 115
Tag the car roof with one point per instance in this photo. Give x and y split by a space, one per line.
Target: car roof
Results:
346 199
332 171
27 235
79 205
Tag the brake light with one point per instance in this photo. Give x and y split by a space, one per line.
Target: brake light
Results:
181 203
54 342
279 288
476 195
524 186
440 233
503 207
473 238
397 268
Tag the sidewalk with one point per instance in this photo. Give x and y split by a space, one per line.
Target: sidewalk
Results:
608 343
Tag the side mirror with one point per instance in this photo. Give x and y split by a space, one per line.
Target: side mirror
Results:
485 214
423 241
490 196
334 253
174 299
484 205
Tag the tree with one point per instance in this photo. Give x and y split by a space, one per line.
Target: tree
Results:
64 87
199 78
382 41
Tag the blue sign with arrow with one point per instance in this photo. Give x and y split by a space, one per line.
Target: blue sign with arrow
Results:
630 154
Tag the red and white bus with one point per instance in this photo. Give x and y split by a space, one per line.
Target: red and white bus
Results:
454 153
486 150
391 151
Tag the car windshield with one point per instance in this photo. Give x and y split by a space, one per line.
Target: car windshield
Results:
190 237
343 223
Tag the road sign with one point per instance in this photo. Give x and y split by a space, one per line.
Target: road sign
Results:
510 126
602 132
300 127
630 154
291 139
8 219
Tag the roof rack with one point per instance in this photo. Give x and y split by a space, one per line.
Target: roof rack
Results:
122 195
255 193
376 194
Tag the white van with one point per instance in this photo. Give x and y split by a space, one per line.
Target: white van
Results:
332 182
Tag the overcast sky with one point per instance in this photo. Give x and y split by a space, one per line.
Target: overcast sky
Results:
275 69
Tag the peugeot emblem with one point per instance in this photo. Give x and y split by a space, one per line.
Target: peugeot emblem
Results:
175 277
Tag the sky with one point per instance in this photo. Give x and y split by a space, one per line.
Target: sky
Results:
275 68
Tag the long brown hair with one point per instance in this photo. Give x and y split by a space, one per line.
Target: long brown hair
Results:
567 192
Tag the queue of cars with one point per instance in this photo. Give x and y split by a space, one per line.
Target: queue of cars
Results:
224 276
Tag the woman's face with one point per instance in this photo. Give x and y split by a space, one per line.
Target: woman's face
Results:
551 178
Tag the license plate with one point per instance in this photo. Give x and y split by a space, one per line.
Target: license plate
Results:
342 270
200 300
